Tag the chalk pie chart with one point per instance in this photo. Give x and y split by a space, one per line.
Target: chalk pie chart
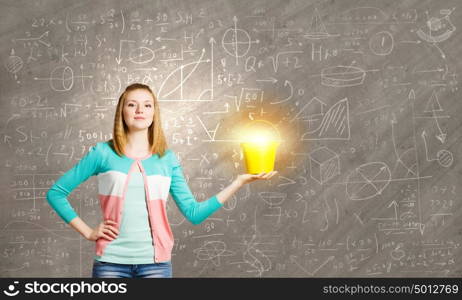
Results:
368 181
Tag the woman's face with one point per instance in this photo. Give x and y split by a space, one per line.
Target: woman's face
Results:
138 110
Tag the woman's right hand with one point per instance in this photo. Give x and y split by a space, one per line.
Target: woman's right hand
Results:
104 230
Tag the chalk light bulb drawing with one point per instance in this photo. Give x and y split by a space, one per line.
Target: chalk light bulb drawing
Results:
259 142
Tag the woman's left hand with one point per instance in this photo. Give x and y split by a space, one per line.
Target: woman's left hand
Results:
247 178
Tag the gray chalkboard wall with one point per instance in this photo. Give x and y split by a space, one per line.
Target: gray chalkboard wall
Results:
365 94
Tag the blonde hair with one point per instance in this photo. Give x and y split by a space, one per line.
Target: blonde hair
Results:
156 135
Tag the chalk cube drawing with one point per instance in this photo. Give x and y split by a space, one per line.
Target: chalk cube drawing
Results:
324 164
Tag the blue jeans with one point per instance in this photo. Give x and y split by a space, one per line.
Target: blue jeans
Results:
103 269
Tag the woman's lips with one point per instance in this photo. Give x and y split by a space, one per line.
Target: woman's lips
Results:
139 118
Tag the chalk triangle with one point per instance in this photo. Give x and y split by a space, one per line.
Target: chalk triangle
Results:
433 104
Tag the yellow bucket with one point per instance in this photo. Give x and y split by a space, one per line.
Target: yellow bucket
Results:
260 157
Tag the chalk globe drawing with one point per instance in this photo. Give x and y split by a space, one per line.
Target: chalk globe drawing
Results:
445 158
236 42
368 181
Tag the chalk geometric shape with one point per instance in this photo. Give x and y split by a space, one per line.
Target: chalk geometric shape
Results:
324 164
273 198
312 113
141 55
342 76
437 30
62 78
381 43
368 181
317 29
335 124
433 104
445 158
236 41
212 251
180 81
14 63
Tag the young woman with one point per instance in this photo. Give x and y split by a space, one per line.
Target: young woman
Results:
136 173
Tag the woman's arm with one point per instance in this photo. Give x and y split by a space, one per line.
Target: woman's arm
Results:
82 227
195 211
80 172
239 182
104 229
58 193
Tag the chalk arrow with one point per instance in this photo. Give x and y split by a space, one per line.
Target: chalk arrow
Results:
441 137
272 80
395 207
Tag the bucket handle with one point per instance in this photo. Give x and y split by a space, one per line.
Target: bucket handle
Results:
268 123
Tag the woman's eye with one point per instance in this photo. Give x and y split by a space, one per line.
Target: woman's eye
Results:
131 104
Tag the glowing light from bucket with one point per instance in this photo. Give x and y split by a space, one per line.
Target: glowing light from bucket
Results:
259 145
260 138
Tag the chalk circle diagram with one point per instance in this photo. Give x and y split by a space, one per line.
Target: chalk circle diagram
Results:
368 181
445 158
212 251
141 55
381 43
273 198
342 76
437 30
236 41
